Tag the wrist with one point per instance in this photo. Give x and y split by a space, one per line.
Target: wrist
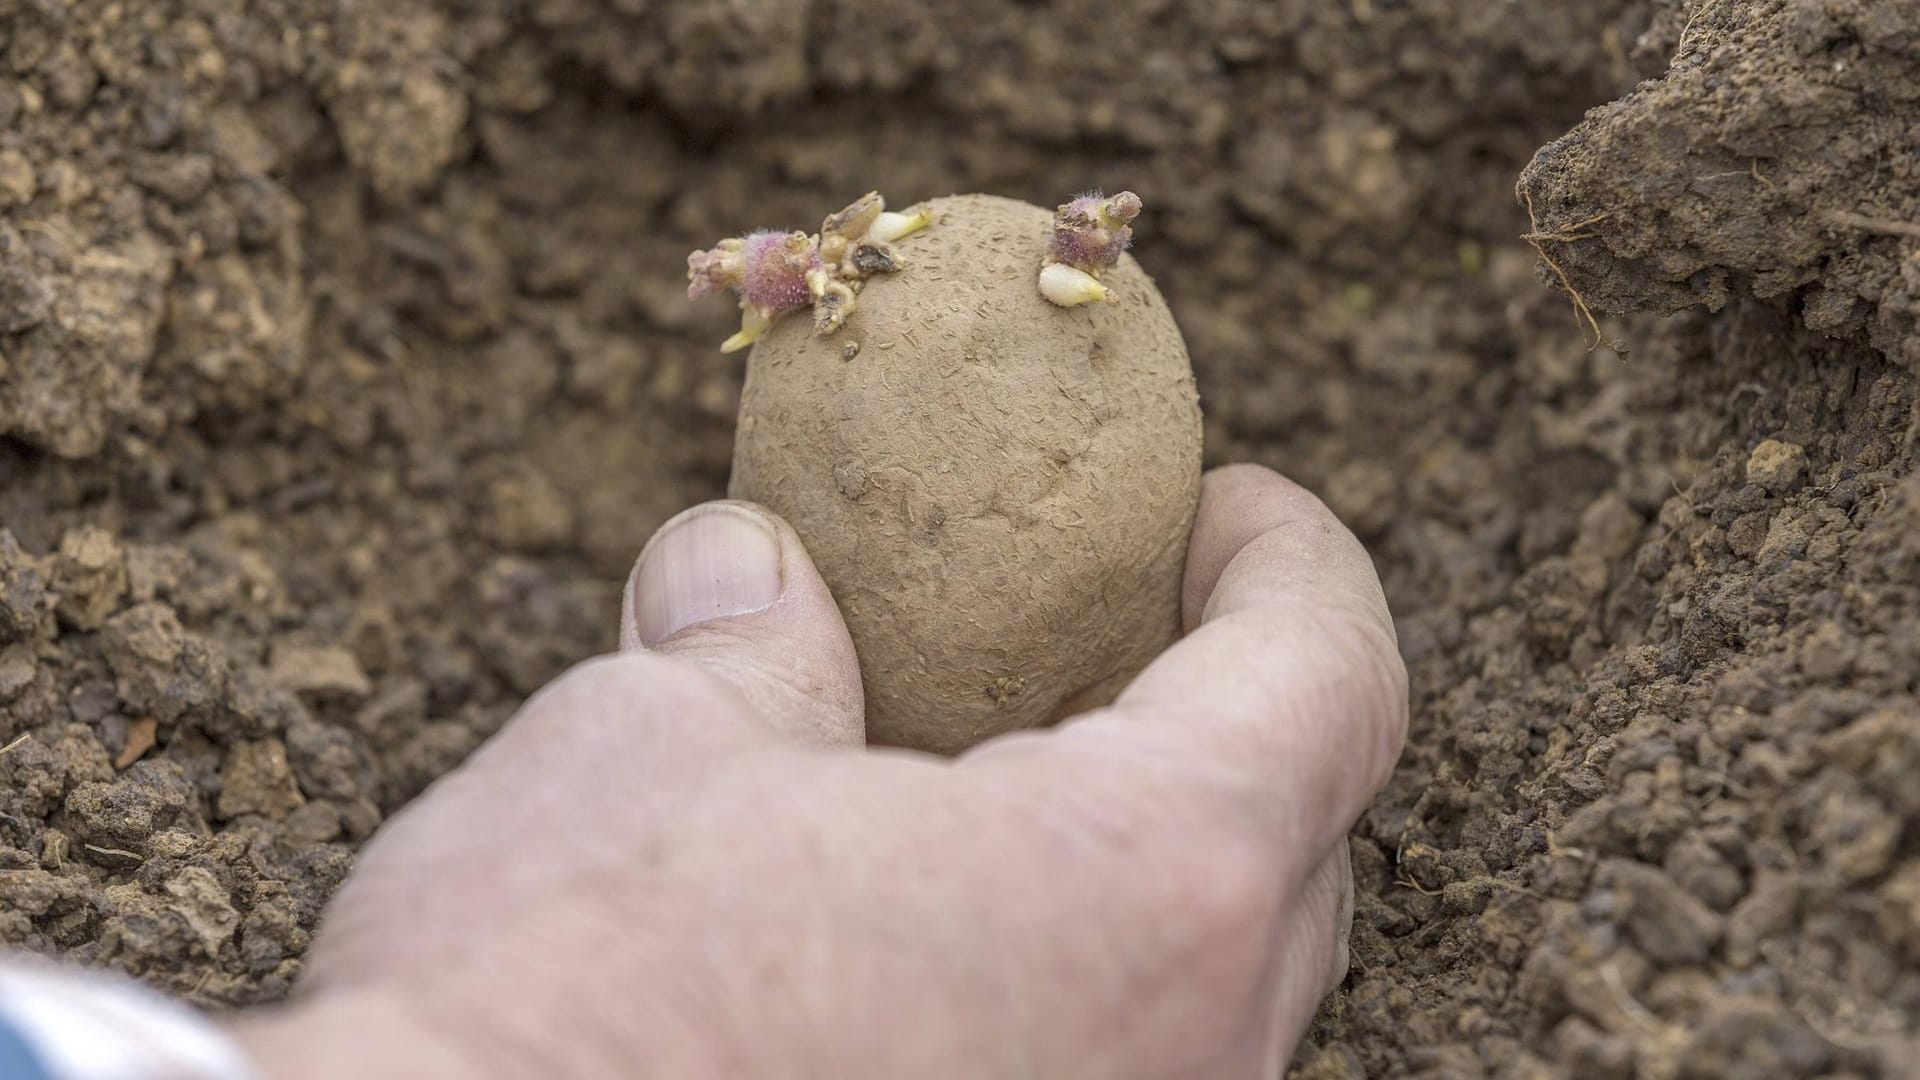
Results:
376 1034
365 1034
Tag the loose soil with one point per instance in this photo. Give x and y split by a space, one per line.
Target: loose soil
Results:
344 366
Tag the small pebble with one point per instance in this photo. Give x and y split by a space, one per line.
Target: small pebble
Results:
1777 466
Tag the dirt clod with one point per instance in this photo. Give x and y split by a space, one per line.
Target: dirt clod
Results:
320 671
1777 466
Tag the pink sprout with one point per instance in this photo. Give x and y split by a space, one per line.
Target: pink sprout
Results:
1091 231
767 268
774 271
711 271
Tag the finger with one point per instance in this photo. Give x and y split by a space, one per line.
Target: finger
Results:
729 587
1343 925
1313 955
1292 673
1284 709
1240 504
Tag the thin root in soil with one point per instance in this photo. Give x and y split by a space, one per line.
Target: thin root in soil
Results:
1582 314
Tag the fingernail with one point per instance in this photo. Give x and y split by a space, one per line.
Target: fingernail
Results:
712 561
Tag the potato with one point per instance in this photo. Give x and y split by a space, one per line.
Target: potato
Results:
998 491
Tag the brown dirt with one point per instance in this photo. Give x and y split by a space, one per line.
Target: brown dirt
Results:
343 368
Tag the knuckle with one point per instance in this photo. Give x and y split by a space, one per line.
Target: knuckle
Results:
1226 869
1370 674
715 647
629 685
630 706
1195 836
769 674
1232 885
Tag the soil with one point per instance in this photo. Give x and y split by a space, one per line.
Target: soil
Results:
344 366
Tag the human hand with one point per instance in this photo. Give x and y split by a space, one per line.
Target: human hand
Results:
680 861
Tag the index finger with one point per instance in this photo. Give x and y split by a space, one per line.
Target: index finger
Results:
1291 666
1285 706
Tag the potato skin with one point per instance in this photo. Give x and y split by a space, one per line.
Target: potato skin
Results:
997 490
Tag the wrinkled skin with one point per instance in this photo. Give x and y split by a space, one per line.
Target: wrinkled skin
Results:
681 861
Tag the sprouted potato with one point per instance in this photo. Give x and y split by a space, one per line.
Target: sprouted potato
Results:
988 437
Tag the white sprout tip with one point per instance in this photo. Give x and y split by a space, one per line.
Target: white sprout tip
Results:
752 325
891 226
1068 286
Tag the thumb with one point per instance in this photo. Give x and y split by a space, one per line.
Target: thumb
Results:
727 586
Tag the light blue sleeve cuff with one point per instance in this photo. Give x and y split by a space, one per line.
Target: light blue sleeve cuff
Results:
17 1059
62 1024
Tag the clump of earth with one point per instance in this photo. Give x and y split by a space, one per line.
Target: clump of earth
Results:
345 366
